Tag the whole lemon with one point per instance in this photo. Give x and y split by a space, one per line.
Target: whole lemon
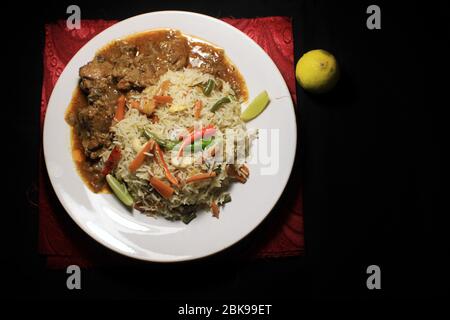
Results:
317 71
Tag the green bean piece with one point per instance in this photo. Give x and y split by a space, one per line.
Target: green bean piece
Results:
219 103
188 218
120 190
166 144
226 199
208 88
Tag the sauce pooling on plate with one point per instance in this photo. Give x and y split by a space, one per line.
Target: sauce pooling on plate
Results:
125 67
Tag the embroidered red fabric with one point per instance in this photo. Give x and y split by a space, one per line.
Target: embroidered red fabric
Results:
64 243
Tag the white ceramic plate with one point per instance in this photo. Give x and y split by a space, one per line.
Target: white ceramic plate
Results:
146 238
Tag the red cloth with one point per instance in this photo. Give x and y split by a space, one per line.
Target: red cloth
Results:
63 243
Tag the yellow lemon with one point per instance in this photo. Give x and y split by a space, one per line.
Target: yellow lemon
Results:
317 71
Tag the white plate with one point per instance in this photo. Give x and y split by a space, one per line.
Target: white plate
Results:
146 238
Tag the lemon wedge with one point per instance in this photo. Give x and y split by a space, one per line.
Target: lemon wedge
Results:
120 190
255 107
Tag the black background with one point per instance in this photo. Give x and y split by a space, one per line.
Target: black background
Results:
370 154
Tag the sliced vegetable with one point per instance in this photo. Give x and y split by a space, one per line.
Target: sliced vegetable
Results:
241 174
162 99
244 171
189 217
120 190
112 161
256 107
165 143
226 199
140 157
208 88
220 103
160 157
186 161
164 87
215 209
198 106
206 132
201 177
136 104
164 189
146 106
120 111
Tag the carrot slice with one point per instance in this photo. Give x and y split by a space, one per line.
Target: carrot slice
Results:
162 99
201 176
120 111
139 160
215 209
161 187
112 161
135 104
164 87
198 109
163 163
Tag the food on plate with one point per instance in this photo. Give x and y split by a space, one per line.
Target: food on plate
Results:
153 118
